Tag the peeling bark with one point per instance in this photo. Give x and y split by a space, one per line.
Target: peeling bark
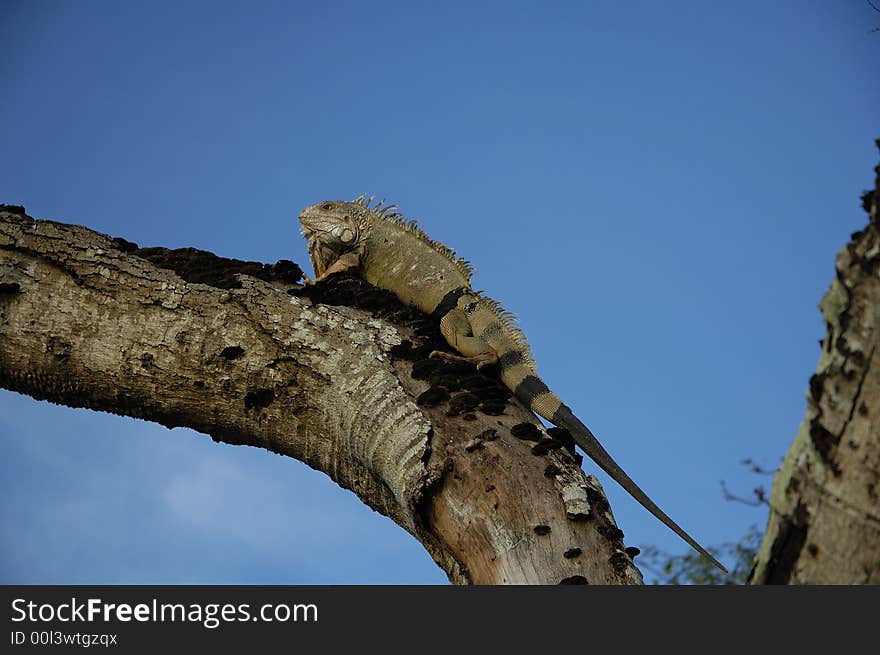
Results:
334 375
824 525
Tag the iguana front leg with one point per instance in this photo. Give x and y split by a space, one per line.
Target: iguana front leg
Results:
457 331
347 262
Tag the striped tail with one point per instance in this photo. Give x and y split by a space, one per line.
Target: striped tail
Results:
532 391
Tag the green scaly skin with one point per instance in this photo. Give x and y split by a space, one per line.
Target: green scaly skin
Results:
393 254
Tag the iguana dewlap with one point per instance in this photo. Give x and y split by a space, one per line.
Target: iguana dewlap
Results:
394 254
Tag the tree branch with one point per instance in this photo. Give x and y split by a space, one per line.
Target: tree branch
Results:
824 525
238 351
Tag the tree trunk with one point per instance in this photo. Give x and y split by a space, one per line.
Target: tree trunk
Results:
335 375
824 525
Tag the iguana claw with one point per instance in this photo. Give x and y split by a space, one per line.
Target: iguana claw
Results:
480 361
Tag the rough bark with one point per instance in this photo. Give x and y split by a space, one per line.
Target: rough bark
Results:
334 375
824 525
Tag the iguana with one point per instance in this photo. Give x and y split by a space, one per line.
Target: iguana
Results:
389 252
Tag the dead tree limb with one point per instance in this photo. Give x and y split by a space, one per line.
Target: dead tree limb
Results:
336 376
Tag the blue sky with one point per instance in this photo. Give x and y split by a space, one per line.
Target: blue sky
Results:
657 190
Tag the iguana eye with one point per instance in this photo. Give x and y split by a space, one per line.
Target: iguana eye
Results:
327 206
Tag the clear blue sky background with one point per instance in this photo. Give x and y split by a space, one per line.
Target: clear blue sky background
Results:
657 189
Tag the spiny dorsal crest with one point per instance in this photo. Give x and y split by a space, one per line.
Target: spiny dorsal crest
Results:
389 213
509 321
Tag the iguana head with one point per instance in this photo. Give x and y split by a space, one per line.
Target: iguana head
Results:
332 228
